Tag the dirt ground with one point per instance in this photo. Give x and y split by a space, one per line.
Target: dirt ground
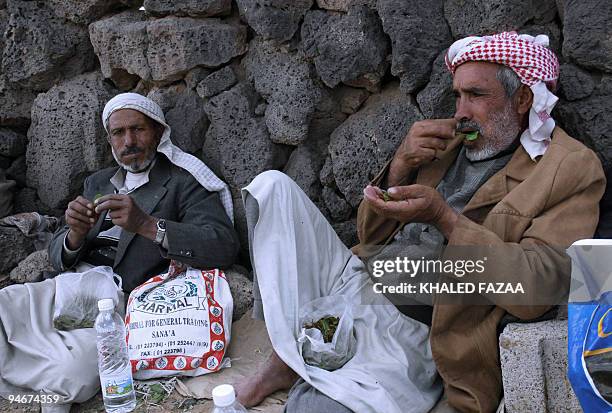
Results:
173 403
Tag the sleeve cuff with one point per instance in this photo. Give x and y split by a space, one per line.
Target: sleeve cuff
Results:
68 255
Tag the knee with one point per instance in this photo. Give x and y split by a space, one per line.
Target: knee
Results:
272 181
272 176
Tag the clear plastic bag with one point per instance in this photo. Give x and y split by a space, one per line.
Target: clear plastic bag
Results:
77 295
313 348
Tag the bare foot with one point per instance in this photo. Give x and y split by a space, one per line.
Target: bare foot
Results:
272 376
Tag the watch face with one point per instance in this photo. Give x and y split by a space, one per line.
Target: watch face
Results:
161 224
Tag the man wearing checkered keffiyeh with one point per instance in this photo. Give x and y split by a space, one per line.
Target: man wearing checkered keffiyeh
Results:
533 62
498 178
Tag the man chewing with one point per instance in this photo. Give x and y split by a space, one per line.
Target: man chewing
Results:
520 184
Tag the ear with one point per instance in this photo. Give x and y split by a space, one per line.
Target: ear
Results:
523 99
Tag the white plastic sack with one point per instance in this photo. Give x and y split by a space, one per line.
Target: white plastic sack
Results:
315 351
77 296
179 323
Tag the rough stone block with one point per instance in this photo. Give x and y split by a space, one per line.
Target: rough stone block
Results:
418 32
534 368
338 208
327 173
166 96
288 83
32 268
188 122
350 98
40 48
67 141
120 42
366 140
217 82
587 33
344 5
480 17
177 45
26 200
5 162
12 144
347 232
15 103
195 76
303 167
437 100
194 8
274 19
17 171
86 11
184 112
346 48
4 18
163 49
237 143
242 290
588 119
14 246
575 83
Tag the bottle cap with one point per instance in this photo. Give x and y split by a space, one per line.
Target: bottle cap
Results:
106 304
224 395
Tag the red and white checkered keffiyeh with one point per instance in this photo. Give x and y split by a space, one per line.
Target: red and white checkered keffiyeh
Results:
534 63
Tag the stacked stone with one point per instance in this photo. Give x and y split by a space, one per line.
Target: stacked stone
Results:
323 90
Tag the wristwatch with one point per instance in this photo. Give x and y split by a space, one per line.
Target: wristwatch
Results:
161 231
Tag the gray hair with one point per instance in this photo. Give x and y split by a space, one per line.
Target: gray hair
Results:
509 80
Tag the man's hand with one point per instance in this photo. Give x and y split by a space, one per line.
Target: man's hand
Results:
124 213
413 203
425 139
80 217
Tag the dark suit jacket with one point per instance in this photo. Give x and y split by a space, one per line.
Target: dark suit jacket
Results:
198 230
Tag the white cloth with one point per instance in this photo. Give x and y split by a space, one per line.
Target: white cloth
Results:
536 66
37 358
193 165
297 257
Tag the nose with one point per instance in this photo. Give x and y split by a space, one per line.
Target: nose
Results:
462 110
130 138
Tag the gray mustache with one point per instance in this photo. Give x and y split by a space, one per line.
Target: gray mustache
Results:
467 124
132 151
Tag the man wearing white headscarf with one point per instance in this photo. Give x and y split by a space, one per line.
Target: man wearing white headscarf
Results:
159 204
499 183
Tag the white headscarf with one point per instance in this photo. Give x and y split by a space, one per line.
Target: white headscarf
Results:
536 66
193 165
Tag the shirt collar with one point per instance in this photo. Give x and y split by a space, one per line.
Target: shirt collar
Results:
118 179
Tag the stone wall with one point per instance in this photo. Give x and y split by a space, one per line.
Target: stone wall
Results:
323 90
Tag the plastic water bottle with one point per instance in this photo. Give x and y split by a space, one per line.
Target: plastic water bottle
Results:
113 361
225 401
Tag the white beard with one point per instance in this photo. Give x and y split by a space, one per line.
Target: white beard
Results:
505 130
134 167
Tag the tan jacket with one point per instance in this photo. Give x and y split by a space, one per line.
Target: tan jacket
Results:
535 210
